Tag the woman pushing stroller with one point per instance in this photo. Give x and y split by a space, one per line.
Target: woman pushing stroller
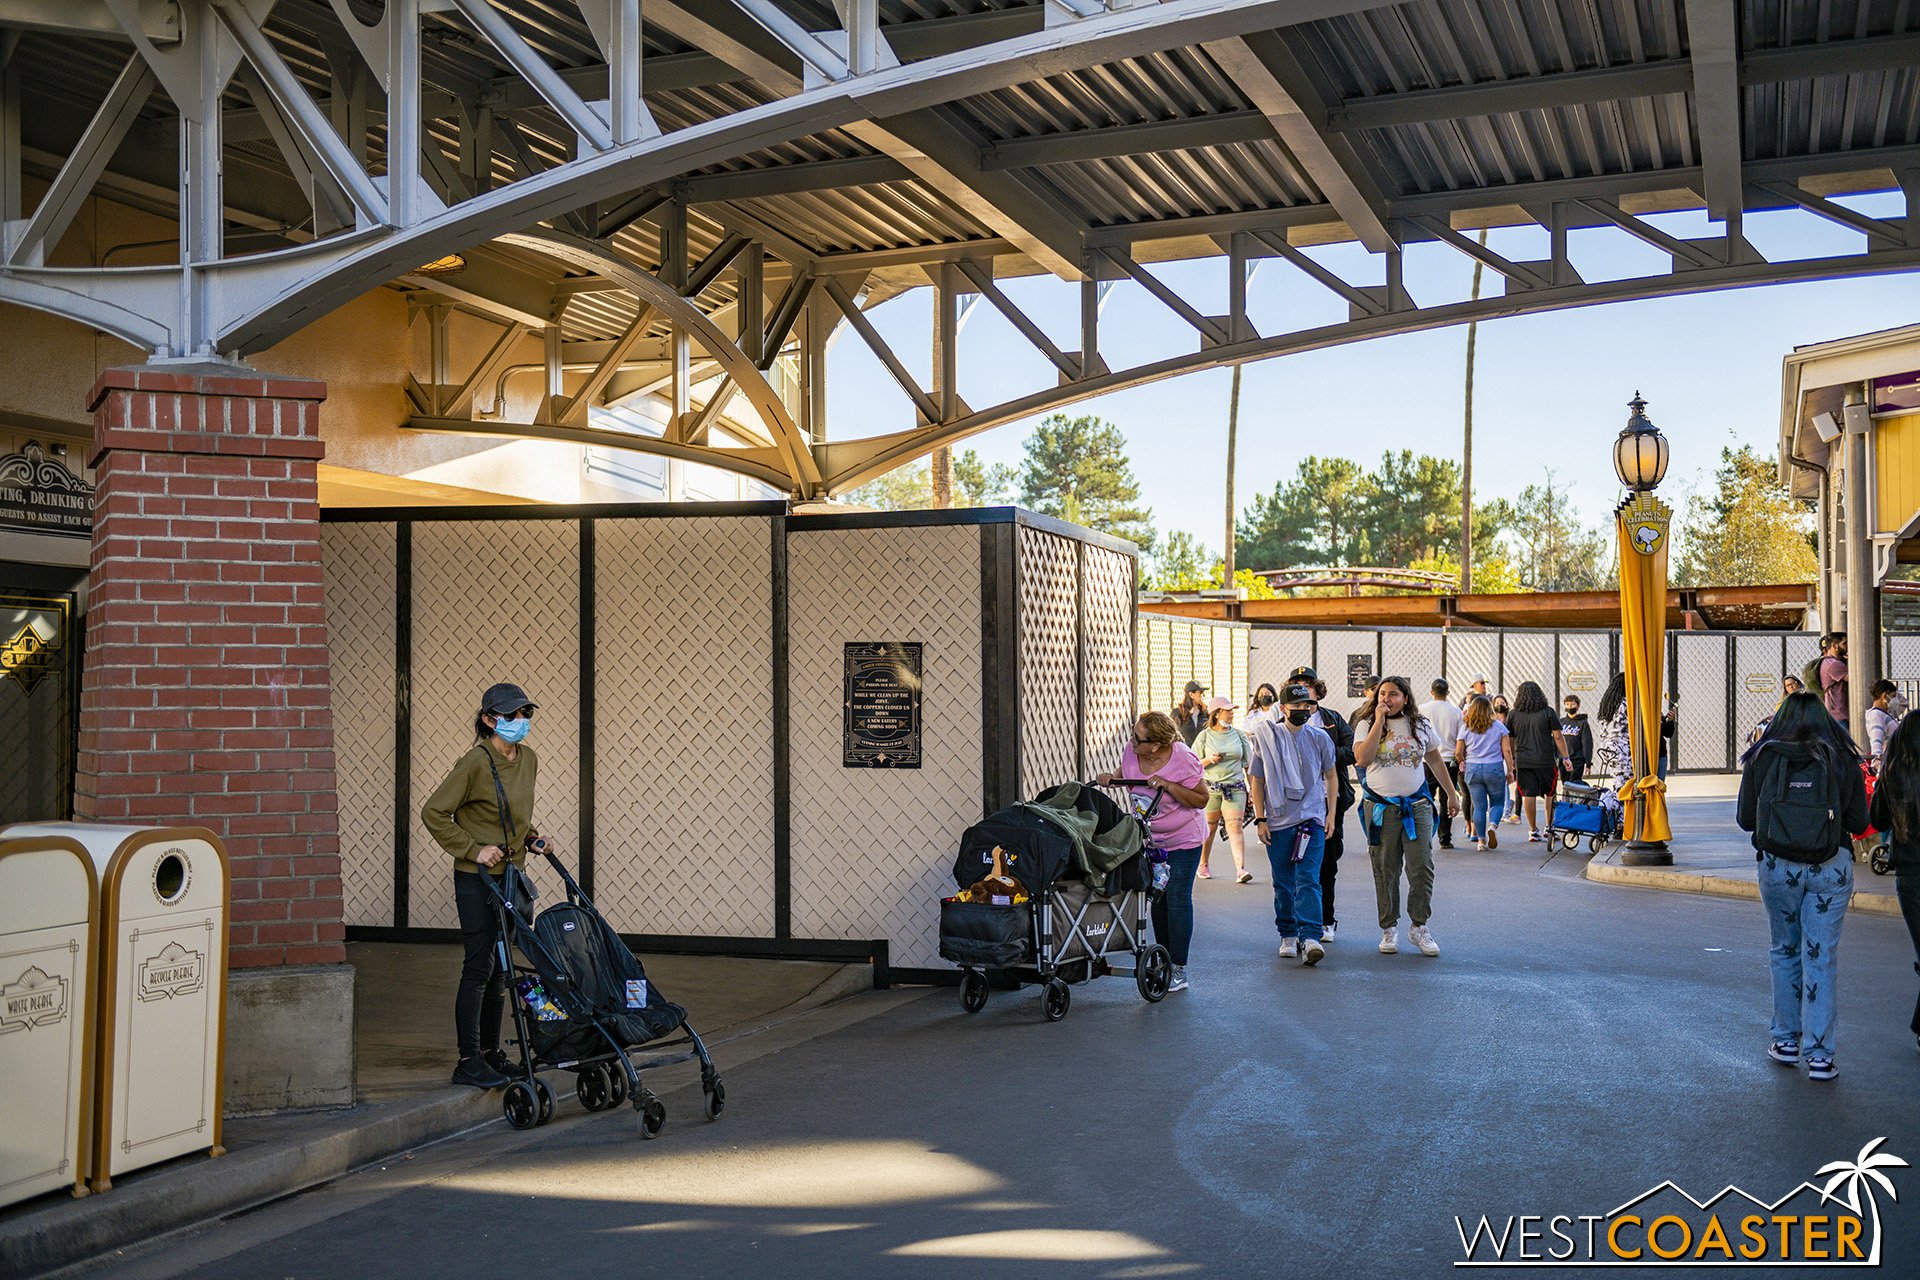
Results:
481 815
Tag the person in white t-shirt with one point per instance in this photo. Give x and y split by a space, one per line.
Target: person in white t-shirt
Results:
1400 751
1445 718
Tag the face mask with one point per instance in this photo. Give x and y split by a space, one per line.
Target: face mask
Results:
512 730
1573 711
1298 716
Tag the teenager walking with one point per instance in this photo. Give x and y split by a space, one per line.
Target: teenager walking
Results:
1831 673
1342 734
1190 717
1396 746
1802 797
1539 754
1484 753
1613 752
1294 790
1881 720
1223 751
1445 718
1577 731
1896 811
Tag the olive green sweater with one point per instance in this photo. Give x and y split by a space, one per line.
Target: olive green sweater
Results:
463 813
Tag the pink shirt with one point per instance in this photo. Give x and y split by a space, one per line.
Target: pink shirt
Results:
1174 825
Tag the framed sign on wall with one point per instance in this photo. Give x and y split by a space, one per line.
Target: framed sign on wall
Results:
882 705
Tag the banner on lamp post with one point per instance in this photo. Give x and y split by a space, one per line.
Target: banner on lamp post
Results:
1644 524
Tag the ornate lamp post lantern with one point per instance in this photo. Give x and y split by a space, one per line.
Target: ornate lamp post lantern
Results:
1643 523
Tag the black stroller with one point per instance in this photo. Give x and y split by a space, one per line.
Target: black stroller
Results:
583 1003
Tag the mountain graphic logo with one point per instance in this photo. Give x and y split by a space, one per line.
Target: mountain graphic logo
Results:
1832 1220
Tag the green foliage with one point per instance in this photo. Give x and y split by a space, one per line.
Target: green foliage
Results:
1077 469
1182 563
1415 508
1748 530
910 488
1548 546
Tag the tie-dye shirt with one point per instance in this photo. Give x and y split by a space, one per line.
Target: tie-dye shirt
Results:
1400 767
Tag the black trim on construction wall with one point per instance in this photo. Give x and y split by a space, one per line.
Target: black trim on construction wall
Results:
402 720
846 952
1080 672
1000 682
552 511
782 723
589 607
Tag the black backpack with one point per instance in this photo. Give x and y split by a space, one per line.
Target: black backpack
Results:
1799 817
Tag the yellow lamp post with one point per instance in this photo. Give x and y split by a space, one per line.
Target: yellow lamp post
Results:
1643 523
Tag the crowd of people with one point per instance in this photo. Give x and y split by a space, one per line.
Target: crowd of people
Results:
1292 771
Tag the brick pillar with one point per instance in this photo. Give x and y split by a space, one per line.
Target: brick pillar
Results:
206 699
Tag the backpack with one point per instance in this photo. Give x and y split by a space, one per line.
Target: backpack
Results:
1800 811
1810 676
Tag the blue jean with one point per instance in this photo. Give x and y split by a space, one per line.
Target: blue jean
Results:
1296 885
1487 787
1173 910
1806 905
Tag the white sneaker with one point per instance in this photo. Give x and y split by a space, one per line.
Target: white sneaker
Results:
1179 980
1312 952
1420 938
1326 934
1480 846
1289 948
1389 941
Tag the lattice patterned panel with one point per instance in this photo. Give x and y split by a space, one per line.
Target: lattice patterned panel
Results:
358 563
1758 663
1526 655
1802 647
873 848
1049 662
1470 654
1107 656
1413 654
1586 667
1242 666
1153 662
1700 735
1335 647
1277 651
1219 675
1903 657
1181 663
684 637
493 600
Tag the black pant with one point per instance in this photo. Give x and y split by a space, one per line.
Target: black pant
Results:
476 1002
1907 885
1330 860
1443 820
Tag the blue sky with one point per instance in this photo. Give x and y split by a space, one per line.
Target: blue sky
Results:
1551 389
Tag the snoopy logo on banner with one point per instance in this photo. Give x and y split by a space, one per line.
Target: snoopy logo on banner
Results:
1646 538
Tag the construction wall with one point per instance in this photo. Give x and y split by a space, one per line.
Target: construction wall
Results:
688 663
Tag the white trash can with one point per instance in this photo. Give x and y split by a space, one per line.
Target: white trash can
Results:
165 900
49 912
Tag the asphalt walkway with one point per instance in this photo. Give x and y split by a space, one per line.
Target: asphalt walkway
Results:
1575 1045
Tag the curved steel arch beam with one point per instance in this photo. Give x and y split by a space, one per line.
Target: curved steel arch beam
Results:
852 464
143 318
297 296
747 378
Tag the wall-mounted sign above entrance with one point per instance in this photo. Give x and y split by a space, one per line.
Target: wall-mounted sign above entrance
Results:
40 494
883 705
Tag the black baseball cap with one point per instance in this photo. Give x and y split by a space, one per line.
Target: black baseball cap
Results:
1194 686
503 698
1298 693
1307 674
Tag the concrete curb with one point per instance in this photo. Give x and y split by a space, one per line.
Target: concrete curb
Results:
321 1146
1675 881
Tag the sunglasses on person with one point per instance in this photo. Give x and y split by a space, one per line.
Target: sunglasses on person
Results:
524 713
1139 741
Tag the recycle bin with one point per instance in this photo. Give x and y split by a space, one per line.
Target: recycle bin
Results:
49 916
160 1045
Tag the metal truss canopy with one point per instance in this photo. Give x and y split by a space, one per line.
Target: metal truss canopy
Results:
686 198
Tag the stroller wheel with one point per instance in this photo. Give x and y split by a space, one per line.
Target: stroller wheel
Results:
716 1100
1596 844
1881 861
594 1089
973 990
1569 841
1153 973
546 1099
1054 999
521 1105
616 1084
653 1116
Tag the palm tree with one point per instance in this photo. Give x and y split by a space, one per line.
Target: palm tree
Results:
1859 1176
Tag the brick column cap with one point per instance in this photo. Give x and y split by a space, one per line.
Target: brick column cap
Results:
204 377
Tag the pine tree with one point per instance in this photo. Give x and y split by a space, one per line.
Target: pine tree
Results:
910 488
1749 530
1077 469
1548 546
